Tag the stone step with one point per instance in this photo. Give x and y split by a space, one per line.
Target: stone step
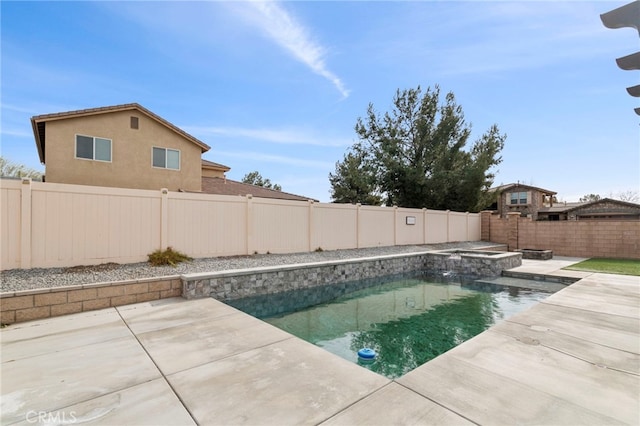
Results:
539 277
532 284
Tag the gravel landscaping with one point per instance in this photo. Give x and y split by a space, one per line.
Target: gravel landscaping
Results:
29 279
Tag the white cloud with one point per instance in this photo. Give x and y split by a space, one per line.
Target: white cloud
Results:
279 159
281 136
18 108
287 32
469 38
16 132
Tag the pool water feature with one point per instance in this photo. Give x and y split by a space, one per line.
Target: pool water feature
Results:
407 321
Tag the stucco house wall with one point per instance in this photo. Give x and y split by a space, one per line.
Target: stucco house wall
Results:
131 153
535 201
213 170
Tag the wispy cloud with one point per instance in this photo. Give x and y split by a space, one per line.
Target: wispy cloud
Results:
280 136
16 133
289 33
497 37
17 108
278 159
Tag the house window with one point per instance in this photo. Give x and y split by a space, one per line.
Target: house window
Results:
518 198
92 148
166 158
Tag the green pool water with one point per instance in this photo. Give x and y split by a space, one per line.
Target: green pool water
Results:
407 322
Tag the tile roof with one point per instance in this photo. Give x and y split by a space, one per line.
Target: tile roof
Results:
605 201
211 165
567 207
223 186
502 188
560 207
38 123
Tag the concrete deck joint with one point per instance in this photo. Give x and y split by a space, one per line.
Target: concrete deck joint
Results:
164 377
574 357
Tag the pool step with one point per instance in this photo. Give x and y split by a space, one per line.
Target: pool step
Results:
524 283
540 277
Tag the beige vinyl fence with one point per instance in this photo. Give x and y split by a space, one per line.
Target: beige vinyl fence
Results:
59 225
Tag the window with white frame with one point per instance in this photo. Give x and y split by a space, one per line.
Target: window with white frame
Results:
93 148
519 198
166 158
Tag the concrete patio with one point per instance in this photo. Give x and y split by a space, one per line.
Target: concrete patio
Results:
572 359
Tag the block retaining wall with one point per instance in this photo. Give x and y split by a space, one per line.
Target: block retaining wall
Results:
577 238
239 284
36 304
51 302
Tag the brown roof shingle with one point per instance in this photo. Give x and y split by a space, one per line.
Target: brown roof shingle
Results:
217 166
503 188
223 186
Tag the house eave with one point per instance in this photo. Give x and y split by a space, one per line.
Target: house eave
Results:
38 123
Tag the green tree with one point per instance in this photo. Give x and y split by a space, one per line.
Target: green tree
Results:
589 198
354 180
416 153
10 169
255 178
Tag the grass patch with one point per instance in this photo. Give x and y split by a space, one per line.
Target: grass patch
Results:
609 266
167 257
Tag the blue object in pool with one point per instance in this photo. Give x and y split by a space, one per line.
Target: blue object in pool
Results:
367 353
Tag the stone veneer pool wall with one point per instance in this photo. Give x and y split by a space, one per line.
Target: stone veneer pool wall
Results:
239 284
41 303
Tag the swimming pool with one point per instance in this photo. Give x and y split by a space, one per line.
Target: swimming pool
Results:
407 321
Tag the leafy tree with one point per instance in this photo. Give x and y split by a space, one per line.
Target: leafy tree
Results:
255 178
589 198
354 180
10 169
416 154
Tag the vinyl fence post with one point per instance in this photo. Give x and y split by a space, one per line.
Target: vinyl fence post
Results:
358 206
467 222
164 219
424 225
311 233
249 225
25 224
395 225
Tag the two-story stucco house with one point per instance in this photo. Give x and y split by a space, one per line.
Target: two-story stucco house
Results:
524 199
128 146
540 204
124 146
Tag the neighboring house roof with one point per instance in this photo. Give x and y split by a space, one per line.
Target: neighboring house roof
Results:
508 186
38 123
606 200
206 164
560 207
223 186
567 207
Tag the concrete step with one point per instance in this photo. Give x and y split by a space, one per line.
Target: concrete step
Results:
540 277
532 284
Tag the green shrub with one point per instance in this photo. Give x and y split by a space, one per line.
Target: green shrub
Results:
167 257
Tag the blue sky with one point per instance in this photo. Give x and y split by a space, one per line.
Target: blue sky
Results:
278 86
